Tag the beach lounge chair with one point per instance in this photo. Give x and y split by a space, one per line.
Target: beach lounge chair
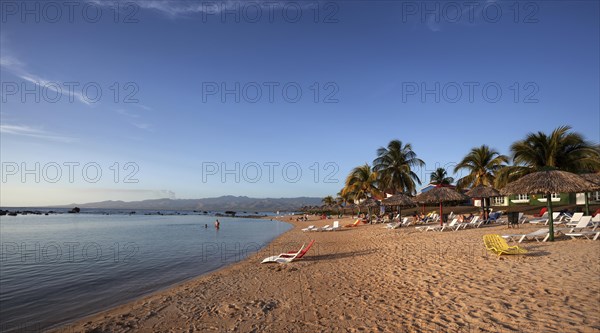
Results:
336 226
451 225
522 219
393 225
493 217
541 234
474 223
403 223
310 228
592 234
544 234
540 219
498 245
323 228
595 221
289 257
583 223
543 212
574 219
545 220
284 255
355 224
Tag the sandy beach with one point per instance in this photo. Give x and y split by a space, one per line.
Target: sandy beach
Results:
370 279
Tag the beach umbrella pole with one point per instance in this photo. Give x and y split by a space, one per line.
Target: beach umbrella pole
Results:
441 214
550 219
587 204
482 208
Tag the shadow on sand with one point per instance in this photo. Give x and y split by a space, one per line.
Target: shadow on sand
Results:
339 255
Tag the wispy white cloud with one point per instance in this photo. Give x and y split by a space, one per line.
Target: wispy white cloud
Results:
31 132
18 68
143 107
175 8
127 113
135 120
143 126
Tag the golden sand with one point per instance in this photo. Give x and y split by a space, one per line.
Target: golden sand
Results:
370 279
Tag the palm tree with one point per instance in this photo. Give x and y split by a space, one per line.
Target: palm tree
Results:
344 197
361 183
562 149
482 163
440 177
328 200
394 165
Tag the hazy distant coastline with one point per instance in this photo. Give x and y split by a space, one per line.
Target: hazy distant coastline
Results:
223 203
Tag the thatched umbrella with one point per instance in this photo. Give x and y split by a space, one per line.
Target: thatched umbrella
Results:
400 200
369 203
350 206
439 195
483 192
592 178
548 182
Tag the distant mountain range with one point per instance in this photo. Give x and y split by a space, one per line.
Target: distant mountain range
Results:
223 203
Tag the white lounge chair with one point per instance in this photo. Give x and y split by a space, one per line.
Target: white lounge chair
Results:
586 234
290 256
393 225
451 225
574 219
582 224
545 220
595 221
407 222
522 218
310 228
541 219
283 255
543 234
474 223
403 223
323 228
336 226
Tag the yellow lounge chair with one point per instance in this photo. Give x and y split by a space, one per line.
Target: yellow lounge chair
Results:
498 245
355 224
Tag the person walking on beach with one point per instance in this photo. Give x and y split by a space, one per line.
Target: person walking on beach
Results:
217 224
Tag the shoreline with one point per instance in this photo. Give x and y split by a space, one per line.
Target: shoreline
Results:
373 279
62 327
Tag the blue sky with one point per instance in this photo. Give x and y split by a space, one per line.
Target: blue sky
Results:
334 87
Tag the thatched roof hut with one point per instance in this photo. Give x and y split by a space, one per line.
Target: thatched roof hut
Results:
548 182
400 199
482 191
552 181
440 194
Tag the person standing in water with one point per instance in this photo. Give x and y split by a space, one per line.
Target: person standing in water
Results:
217 224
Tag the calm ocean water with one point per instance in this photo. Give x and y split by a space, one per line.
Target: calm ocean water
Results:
57 268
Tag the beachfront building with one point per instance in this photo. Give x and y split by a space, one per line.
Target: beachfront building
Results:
540 200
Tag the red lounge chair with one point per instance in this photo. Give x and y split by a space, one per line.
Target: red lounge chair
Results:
596 212
542 211
290 256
